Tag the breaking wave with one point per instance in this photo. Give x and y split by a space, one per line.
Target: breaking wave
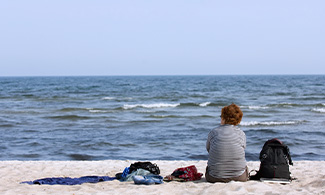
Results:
159 105
255 107
270 123
97 111
116 98
166 105
108 98
204 104
319 110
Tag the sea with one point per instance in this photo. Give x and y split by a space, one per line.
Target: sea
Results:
156 117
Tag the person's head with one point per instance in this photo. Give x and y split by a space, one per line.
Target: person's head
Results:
231 114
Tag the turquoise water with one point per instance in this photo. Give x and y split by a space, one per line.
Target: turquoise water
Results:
155 117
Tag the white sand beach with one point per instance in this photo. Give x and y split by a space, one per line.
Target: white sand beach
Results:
310 179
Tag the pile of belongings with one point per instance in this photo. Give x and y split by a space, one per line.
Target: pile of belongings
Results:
141 173
184 174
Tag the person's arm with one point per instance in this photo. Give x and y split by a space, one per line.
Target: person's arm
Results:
244 141
208 143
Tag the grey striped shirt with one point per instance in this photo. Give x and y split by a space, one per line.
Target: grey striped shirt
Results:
226 146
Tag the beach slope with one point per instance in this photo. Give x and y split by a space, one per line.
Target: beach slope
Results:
310 179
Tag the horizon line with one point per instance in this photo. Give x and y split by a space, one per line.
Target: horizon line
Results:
136 75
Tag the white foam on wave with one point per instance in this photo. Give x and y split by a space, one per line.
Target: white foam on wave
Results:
159 105
204 104
94 110
270 123
97 111
113 98
286 104
321 110
255 107
108 98
162 116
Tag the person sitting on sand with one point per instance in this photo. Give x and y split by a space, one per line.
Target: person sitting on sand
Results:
226 147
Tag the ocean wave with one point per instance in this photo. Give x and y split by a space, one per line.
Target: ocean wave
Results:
158 105
115 98
281 94
179 116
204 104
305 105
189 104
164 116
308 98
256 116
254 133
286 104
165 105
71 109
146 111
69 117
92 110
6 125
270 123
255 107
202 116
146 121
319 110
108 98
97 111
281 105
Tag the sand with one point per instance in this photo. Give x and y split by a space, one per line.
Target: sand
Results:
310 179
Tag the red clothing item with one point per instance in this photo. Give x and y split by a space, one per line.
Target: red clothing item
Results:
187 173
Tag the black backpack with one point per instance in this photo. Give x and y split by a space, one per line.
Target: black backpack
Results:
153 168
275 160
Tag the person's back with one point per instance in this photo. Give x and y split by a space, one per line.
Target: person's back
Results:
226 146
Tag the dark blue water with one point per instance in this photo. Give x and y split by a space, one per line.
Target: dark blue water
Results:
155 117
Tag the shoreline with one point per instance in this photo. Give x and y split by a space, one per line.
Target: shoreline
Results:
310 178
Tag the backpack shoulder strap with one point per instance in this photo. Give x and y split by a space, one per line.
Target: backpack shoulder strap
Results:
287 153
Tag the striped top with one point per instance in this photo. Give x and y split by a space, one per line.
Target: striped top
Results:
226 146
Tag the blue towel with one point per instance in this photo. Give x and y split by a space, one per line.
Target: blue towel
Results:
125 172
129 177
148 179
70 181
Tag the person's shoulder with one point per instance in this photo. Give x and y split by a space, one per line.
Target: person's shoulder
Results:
217 128
240 131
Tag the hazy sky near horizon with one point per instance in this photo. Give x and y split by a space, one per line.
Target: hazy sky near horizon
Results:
169 37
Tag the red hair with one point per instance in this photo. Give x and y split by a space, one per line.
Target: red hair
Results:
231 114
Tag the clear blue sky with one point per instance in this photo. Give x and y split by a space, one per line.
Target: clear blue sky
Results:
163 37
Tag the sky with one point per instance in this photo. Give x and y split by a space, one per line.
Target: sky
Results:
161 37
